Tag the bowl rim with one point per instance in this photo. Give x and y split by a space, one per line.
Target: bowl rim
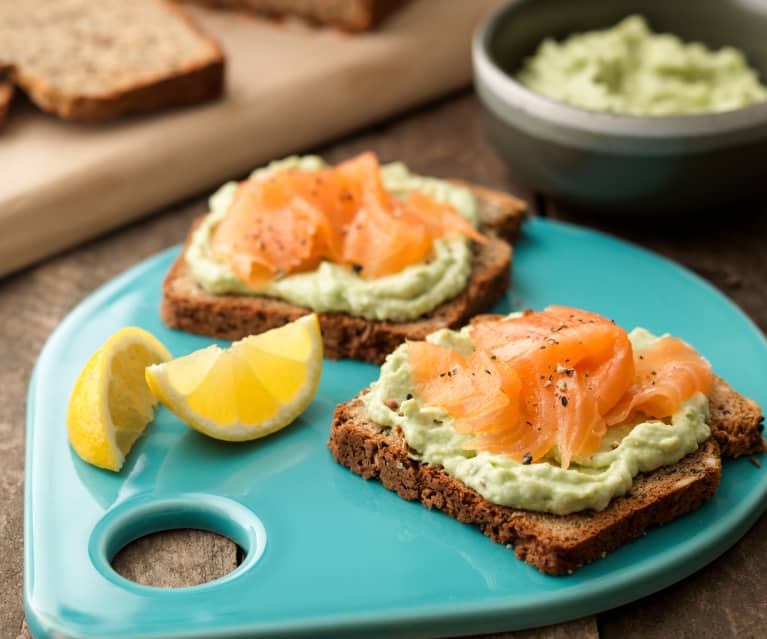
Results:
506 89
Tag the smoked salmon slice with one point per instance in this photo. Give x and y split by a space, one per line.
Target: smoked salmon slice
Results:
555 379
290 221
667 372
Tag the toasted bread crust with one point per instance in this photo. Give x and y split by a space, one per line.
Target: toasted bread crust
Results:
195 82
554 544
186 87
350 15
736 421
186 306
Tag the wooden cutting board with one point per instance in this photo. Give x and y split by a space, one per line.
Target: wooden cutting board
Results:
289 87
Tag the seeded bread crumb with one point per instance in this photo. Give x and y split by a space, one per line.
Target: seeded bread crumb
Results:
188 307
99 60
554 544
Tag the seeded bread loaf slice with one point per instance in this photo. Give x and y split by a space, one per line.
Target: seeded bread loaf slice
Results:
555 544
188 307
99 60
737 422
351 15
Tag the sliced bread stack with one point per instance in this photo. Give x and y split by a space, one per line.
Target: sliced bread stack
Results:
99 59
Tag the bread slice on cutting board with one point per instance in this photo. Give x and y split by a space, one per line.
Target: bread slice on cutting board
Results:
350 15
87 60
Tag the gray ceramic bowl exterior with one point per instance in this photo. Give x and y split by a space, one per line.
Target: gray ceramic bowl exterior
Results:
624 164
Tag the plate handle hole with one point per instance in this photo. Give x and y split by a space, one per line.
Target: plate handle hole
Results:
179 542
178 558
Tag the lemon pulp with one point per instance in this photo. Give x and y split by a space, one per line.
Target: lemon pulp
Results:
111 404
255 387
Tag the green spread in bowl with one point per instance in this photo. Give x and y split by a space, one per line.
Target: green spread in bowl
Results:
629 69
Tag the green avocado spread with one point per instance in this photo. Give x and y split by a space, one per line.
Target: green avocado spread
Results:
406 295
542 486
630 69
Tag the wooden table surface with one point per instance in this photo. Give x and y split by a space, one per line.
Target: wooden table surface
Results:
726 599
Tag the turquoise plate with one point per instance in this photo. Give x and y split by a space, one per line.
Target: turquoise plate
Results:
329 554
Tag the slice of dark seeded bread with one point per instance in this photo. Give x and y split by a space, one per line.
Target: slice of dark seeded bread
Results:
736 421
6 95
99 60
350 15
188 307
555 544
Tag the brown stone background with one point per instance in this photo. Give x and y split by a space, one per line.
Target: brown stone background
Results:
725 599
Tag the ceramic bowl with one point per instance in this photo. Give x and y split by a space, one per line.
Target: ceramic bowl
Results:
609 163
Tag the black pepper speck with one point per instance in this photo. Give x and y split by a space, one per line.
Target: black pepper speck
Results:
527 458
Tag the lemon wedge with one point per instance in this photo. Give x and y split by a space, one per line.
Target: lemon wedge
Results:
111 403
251 389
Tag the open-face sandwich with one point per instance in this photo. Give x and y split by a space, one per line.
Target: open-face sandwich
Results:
556 432
382 255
